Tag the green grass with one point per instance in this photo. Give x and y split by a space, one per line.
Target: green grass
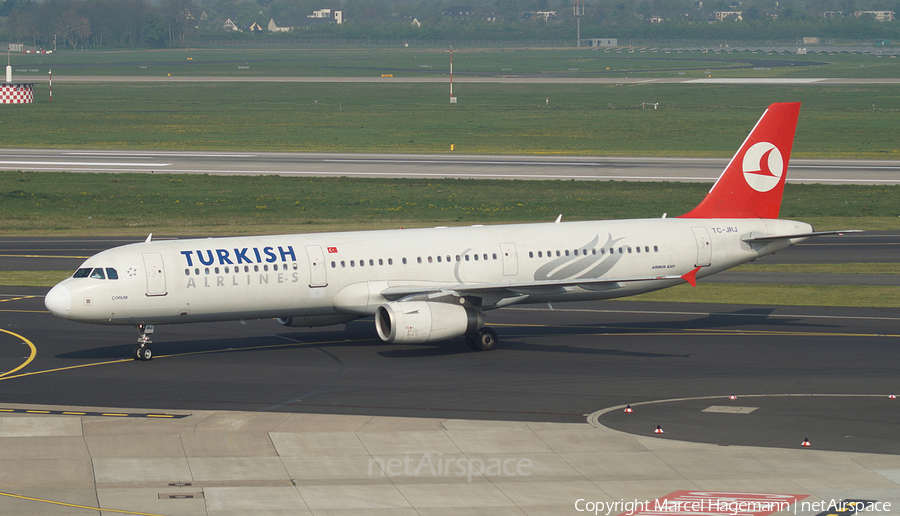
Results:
781 295
32 278
178 204
693 120
372 62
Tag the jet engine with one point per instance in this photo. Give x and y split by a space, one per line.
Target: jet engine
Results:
425 321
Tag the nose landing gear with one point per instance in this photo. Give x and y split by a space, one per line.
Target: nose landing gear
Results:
143 351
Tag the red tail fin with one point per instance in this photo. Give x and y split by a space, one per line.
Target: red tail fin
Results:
752 183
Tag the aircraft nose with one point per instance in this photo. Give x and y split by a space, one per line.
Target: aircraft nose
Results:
59 301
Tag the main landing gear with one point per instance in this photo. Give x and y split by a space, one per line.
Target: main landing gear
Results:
143 351
484 339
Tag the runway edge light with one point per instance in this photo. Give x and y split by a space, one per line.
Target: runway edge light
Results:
806 443
658 430
892 396
732 397
628 409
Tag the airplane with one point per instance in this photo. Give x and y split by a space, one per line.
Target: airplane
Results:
433 284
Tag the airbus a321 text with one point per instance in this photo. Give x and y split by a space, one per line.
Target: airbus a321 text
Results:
425 285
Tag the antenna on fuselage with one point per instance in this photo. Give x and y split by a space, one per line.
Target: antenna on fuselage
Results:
149 237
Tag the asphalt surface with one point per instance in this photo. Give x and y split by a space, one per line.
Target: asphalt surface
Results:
871 172
554 366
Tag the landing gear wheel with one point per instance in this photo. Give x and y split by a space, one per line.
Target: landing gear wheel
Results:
486 339
143 353
470 342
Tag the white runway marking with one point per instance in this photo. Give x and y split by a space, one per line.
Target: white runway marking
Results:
83 164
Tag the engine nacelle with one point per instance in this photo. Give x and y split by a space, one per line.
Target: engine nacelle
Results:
425 321
309 321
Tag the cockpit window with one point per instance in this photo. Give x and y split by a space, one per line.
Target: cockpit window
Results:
82 273
111 273
98 274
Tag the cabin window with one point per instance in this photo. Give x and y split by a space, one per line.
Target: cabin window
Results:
467 257
371 262
540 254
558 253
343 264
404 261
439 259
226 270
390 261
430 260
266 268
380 261
362 263
216 270
638 249
187 272
334 265
646 248
476 256
82 273
629 250
352 263
494 255
295 265
418 259
457 257
448 259
567 252
530 254
255 268
593 251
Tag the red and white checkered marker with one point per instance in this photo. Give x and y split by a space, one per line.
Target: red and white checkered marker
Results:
892 396
628 409
732 397
16 93
658 430
806 443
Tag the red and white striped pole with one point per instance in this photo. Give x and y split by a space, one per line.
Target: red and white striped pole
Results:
51 84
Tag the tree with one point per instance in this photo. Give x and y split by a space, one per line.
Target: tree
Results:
155 33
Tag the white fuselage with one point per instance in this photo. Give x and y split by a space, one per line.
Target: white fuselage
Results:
334 277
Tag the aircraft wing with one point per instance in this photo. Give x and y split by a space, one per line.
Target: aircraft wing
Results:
514 289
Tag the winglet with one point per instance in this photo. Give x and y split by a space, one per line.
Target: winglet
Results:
691 277
150 236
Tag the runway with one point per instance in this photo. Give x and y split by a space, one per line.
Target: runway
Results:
553 366
866 172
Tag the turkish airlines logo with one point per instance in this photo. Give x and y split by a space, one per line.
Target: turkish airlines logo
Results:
763 166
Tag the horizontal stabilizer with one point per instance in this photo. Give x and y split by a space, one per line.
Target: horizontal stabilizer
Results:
769 238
